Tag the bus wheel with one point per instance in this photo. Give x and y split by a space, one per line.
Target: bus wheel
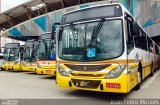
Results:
137 87
56 80
151 74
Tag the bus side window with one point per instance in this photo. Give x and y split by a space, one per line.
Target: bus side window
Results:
143 40
156 48
150 44
137 39
130 41
21 52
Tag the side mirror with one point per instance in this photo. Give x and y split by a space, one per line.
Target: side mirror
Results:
33 59
55 27
21 56
135 28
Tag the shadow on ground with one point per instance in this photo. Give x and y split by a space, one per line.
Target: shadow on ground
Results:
31 73
50 77
14 71
98 95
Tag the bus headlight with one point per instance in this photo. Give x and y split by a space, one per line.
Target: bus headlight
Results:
62 71
3 63
115 72
24 64
15 63
39 66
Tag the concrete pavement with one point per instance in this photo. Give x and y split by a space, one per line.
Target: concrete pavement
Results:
27 85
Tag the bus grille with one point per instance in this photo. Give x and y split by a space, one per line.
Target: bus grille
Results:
87 67
49 67
88 75
86 83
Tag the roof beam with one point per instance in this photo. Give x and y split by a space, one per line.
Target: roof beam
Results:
29 10
10 17
44 2
62 2
13 19
46 8
49 7
79 1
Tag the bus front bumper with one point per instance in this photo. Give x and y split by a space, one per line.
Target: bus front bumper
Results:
28 68
3 67
16 67
117 85
11 66
46 71
8 67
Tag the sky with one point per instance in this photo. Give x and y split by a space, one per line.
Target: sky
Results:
7 4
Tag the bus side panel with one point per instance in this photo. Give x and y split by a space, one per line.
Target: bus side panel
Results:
132 76
132 71
141 57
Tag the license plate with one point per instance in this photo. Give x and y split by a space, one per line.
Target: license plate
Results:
83 83
30 69
113 85
48 71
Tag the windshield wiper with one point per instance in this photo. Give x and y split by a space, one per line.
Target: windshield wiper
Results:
25 57
30 53
96 30
74 31
13 49
46 48
6 53
34 51
50 48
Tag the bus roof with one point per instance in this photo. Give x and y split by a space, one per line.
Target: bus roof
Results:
99 5
107 11
46 35
12 45
124 10
31 43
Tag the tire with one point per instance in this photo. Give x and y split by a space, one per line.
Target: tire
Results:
138 86
56 80
2 69
151 74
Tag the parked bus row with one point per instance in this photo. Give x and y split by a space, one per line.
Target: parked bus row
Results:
100 48
36 55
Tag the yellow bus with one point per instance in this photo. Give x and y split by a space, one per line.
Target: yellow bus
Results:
12 56
102 48
1 57
46 58
29 55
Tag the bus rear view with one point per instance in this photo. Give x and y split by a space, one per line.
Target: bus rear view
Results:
12 57
46 58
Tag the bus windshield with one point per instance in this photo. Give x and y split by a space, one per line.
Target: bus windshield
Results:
46 50
91 40
11 54
28 54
